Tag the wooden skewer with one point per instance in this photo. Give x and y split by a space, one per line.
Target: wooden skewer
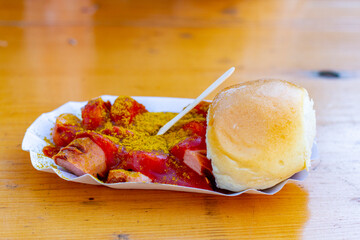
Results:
203 95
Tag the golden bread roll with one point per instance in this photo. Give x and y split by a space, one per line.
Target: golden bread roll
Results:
259 133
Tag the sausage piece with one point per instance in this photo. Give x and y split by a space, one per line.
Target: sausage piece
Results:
82 156
121 175
197 161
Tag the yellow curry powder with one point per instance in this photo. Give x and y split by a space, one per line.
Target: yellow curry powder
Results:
150 122
121 108
147 125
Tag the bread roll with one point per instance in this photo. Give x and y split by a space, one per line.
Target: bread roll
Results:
259 133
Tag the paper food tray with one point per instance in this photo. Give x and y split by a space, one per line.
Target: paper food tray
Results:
34 141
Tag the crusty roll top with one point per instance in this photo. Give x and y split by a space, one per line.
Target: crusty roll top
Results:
259 134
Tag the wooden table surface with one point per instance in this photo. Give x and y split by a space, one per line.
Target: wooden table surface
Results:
52 52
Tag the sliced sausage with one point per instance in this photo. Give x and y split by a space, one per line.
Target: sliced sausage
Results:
197 161
82 156
121 175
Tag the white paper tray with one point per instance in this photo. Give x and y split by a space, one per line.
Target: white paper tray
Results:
34 141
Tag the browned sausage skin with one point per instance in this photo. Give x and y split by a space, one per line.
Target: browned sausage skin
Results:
82 156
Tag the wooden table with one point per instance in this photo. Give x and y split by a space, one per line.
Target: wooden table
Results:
52 52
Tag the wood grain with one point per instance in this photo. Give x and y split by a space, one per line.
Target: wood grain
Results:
52 52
